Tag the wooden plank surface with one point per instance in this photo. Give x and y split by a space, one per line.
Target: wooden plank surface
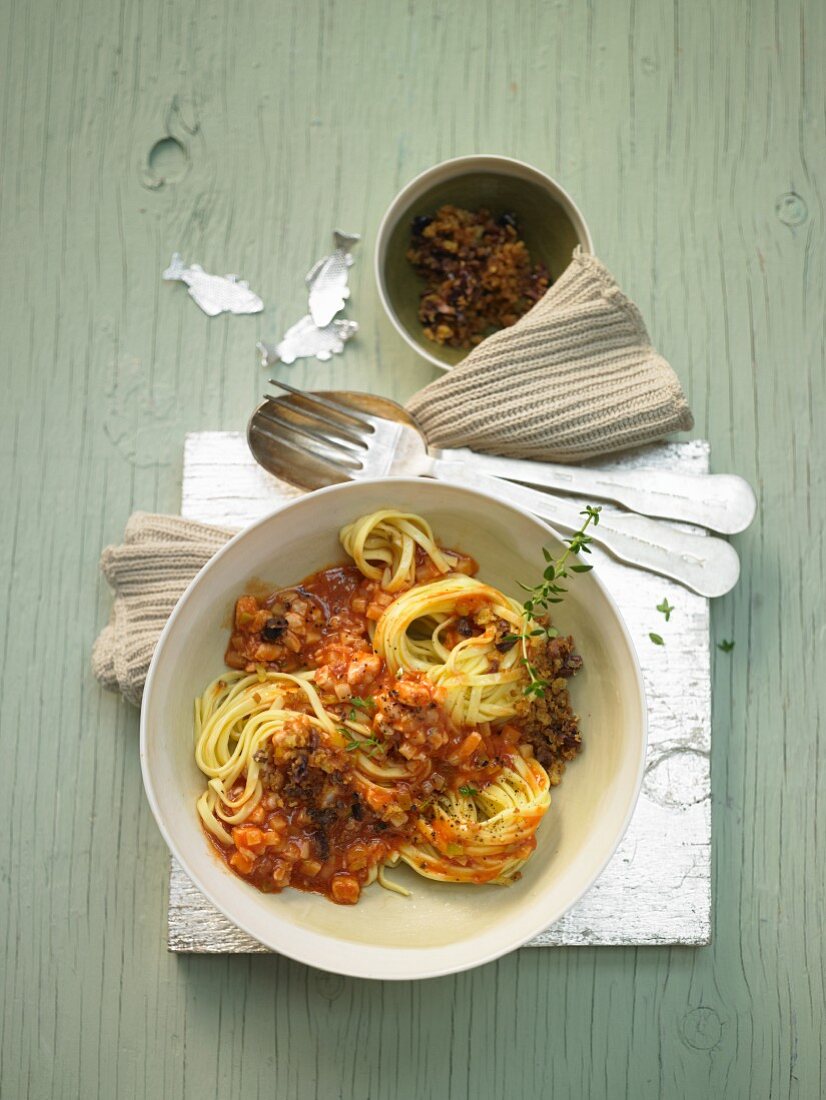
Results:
657 887
692 135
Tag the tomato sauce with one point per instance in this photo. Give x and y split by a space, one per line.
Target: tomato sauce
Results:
321 825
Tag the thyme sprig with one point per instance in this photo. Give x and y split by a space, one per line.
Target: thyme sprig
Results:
549 591
357 703
368 745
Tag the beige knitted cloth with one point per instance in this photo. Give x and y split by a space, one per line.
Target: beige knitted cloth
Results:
575 377
148 573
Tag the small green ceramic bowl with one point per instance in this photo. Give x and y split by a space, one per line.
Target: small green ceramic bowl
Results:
549 223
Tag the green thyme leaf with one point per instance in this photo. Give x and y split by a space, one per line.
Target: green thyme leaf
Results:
725 646
368 745
357 703
666 608
656 639
468 791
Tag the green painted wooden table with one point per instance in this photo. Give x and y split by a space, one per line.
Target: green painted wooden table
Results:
692 134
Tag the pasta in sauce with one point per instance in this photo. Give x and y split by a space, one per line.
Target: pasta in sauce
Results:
376 713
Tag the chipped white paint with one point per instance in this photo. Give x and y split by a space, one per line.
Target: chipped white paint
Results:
657 888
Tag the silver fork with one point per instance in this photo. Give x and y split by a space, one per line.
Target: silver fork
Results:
352 444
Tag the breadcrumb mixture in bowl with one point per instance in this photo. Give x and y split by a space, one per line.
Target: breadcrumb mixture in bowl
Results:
478 271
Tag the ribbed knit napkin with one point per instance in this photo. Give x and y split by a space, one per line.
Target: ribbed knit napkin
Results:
148 573
575 377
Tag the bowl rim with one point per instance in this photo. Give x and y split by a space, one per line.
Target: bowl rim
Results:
342 964
454 166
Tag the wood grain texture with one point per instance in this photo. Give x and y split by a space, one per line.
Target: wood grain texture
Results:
692 135
657 887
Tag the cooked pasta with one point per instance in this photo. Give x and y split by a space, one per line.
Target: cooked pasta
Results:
383 546
376 713
480 682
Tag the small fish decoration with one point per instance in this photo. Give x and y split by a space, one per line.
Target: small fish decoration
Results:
214 293
327 279
305 339
317 333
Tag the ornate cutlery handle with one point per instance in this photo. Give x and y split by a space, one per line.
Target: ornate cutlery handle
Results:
722 502
705 564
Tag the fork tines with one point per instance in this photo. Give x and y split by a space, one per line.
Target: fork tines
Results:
316 402
314 426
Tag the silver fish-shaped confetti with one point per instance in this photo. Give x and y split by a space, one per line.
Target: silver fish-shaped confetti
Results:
305 339
214 293
327 280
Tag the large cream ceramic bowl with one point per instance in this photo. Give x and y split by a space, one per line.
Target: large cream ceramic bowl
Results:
441 928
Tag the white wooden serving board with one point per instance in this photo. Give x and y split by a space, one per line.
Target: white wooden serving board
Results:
657 888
